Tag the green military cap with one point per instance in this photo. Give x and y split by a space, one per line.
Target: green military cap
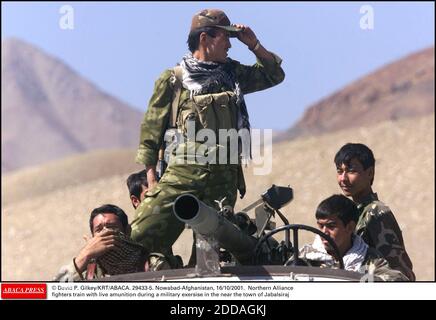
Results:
213 18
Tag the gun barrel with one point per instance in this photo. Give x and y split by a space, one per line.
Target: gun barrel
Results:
207 222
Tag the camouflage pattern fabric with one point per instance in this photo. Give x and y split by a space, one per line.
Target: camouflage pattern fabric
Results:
379 229
262 75
376 264
213 17
154 224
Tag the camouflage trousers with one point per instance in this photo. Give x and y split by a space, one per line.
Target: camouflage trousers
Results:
155 226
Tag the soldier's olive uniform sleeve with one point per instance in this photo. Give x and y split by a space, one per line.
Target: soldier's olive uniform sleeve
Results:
262 75
380 268
155 120
383 233
68 273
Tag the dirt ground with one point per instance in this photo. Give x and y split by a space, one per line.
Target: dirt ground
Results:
43 230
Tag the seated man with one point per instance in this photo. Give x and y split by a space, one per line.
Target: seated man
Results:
138 186
110 251
355 167
336 217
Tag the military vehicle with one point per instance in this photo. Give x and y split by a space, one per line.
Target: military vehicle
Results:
233 247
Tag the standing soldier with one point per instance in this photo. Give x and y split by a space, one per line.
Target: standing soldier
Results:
204 92
355 167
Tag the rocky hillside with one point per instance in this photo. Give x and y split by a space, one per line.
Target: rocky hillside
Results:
404 88
49 111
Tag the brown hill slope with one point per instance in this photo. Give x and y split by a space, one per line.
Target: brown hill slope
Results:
404 88
42 233
70 171
49 111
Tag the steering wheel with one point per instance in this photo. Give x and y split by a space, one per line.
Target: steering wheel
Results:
295 227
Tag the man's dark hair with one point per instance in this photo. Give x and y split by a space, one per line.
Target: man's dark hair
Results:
109 208
194 37
355 150
340 206
135 182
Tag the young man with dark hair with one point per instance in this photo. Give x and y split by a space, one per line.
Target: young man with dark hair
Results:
194 37
138 186
110 251
355 167
120 219
336 217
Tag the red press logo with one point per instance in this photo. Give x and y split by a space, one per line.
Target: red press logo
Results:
24 291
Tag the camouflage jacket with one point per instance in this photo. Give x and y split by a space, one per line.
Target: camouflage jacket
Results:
262 75
375 264
69 273
379 229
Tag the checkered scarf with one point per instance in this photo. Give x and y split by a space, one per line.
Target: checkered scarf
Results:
126 257
202 77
